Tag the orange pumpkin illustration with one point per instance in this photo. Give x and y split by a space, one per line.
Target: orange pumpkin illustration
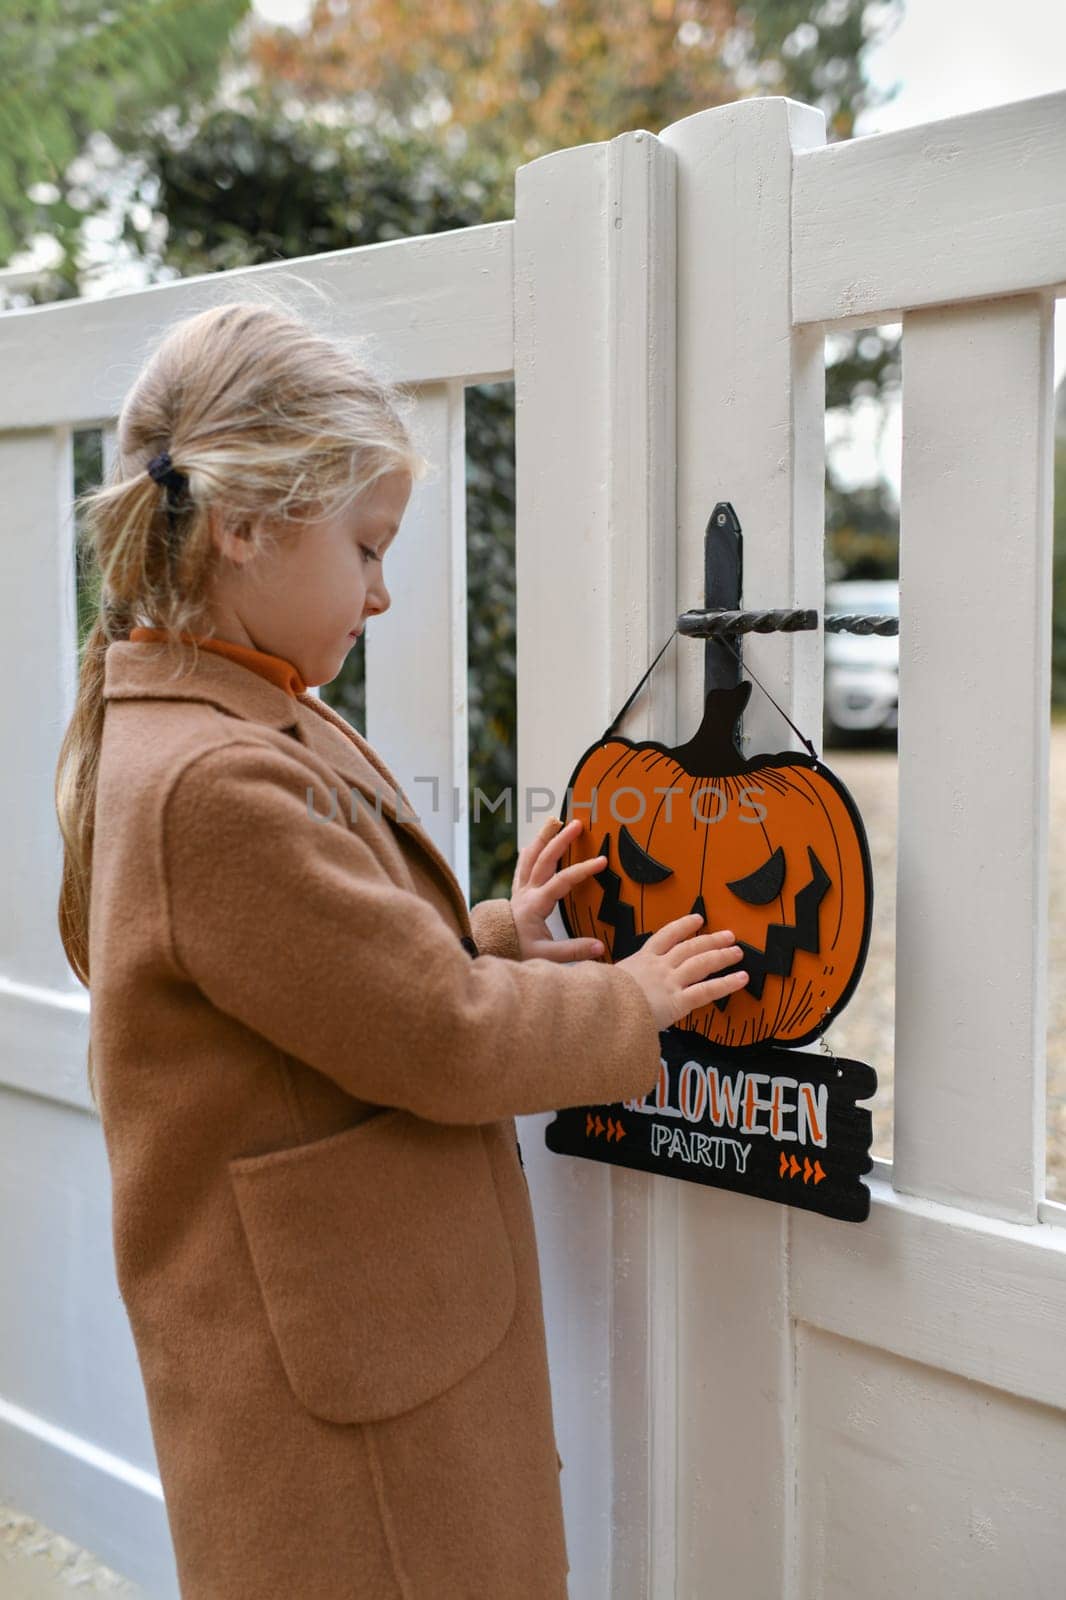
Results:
771 846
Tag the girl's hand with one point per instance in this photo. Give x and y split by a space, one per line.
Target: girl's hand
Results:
537 887
675 966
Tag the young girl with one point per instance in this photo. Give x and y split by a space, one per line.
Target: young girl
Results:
306 1051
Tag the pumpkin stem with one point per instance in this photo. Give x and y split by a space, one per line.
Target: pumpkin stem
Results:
714 749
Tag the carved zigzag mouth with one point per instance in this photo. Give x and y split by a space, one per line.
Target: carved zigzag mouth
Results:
782 939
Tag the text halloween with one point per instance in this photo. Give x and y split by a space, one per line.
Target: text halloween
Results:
781 1125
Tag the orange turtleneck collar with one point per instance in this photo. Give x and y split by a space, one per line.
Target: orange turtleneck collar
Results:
274 668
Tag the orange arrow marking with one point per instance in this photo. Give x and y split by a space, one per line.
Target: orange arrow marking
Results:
819 1173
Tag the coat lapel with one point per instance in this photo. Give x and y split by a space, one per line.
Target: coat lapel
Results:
362 768
142 669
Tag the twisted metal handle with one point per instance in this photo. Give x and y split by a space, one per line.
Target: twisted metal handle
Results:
718 624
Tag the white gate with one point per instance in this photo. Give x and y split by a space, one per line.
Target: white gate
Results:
752 1402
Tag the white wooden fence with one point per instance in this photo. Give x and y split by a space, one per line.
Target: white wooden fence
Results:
752 1401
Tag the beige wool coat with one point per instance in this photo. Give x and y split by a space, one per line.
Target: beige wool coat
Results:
307 1080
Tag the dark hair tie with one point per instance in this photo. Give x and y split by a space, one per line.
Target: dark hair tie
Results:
163 470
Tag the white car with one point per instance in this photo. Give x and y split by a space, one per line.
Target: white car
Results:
861 669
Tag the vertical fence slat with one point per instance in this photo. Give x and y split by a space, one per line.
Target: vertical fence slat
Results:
416 654
38 619
975 642
563 703
594 392
640 473
44 1010
750 410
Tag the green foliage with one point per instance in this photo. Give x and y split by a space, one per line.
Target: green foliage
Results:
254 183
491 632
861 524
862 532
75 69
820 50
88 472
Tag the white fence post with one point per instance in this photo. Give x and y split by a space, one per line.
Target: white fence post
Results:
750 430
594 393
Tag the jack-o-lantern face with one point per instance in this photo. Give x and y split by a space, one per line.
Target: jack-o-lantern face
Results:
771 846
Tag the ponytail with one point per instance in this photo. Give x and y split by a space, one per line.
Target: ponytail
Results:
265 421
75 795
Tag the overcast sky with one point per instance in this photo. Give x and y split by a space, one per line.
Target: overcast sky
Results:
951 56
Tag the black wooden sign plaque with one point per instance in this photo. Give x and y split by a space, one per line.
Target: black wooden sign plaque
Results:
779 1124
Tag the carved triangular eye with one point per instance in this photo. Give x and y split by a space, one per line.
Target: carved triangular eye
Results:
764 884
637 863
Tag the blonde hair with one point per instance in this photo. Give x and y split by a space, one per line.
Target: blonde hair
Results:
270 422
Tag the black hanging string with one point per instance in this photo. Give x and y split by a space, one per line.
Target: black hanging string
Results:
721 639
639 687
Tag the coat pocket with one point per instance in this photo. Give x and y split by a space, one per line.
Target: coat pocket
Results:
383 1261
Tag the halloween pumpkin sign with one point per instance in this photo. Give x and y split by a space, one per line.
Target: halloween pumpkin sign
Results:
772 847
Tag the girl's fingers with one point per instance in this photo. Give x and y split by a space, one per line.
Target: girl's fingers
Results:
702 994
521 871
697 966
701 942
553 847
527 856
560 883
671 933
562 880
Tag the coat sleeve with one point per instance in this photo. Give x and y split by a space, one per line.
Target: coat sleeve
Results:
494 931
284 917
